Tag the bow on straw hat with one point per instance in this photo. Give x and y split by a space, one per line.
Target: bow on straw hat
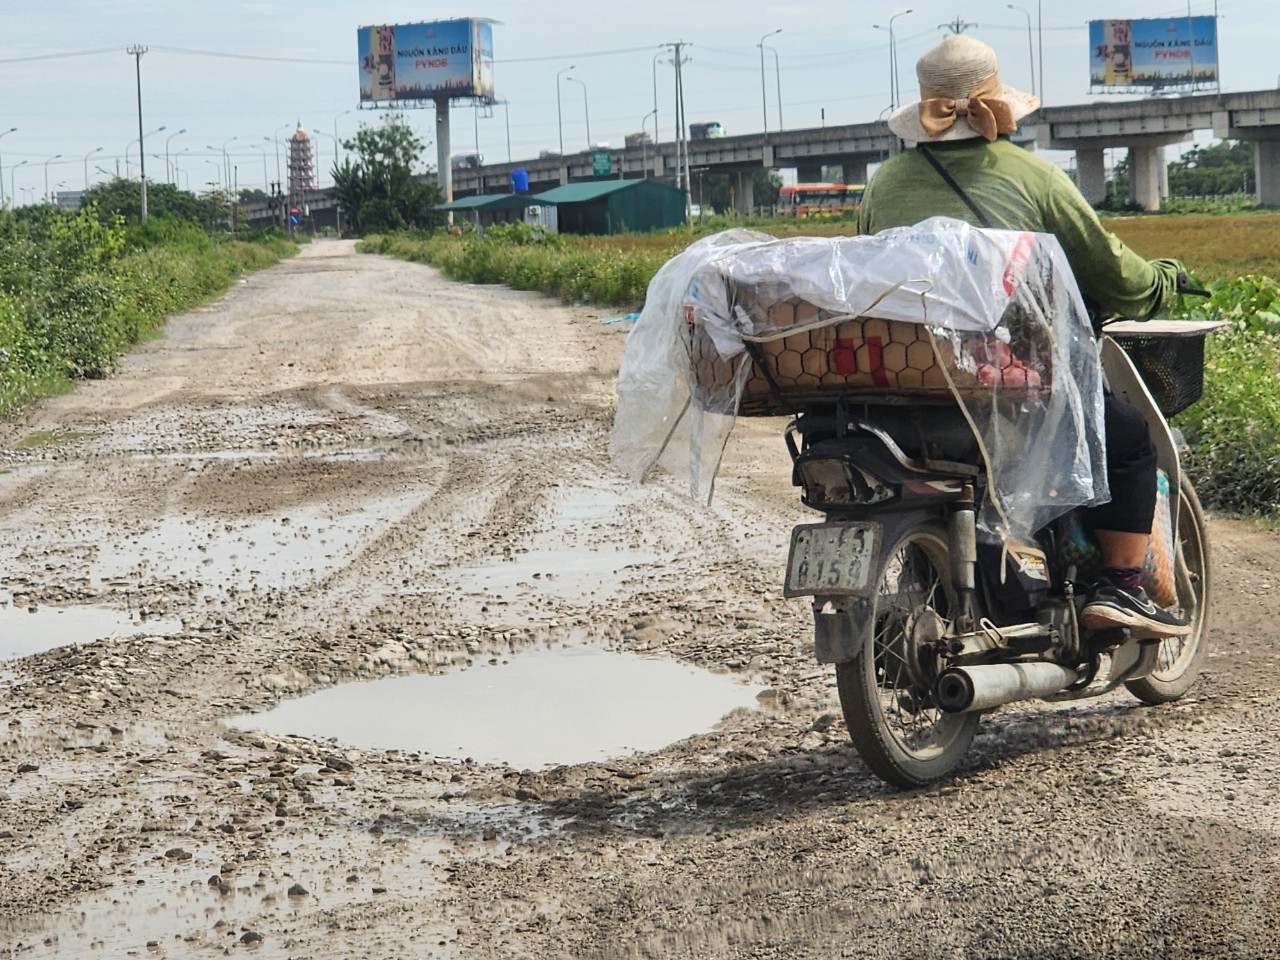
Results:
961 96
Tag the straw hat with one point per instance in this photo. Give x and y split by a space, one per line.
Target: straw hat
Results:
961 96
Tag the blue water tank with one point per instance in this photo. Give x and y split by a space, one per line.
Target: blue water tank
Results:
519 181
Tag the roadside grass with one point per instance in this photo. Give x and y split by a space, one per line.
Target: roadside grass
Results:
76 293
1234 430
1213 247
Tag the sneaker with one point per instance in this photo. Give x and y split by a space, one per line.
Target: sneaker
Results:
1110 606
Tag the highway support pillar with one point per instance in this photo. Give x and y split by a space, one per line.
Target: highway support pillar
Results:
744 194
855 170
1144 175
1266 169
1091 173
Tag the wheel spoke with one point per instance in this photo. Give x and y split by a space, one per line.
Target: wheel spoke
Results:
913 585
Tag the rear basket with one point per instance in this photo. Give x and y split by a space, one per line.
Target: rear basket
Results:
890 360
1171 367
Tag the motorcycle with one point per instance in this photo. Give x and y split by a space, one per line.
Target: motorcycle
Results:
928 627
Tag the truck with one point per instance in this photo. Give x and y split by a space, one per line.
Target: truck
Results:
706 131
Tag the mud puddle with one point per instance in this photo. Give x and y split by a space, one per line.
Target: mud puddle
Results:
583 550
179 905
278 552
541 708
24 631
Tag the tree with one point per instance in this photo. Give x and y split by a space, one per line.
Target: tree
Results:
1220 168
376 183
123 198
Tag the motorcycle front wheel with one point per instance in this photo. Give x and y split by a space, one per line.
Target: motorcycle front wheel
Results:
886 692
1179 659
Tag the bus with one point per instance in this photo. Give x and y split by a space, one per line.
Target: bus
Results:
819 199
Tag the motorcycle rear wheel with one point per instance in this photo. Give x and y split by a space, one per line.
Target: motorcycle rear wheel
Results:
886 693
1180 658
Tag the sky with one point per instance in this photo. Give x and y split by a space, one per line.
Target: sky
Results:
238 75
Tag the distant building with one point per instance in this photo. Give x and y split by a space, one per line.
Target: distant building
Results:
68 199
302 162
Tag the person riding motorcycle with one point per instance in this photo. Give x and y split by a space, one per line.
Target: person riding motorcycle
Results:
964 166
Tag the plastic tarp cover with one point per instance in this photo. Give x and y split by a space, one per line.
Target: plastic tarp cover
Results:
984 291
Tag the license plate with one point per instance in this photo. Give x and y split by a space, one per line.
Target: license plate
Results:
831 559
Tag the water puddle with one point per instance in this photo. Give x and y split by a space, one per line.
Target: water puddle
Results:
169 907
23 632
541 708
568 573
584 549
277 552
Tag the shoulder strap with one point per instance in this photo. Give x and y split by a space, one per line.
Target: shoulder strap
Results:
950 180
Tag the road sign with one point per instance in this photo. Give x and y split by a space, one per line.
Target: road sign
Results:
601 164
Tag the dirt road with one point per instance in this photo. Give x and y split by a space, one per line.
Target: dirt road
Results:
352 469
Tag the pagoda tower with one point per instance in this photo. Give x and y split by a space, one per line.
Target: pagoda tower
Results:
302 162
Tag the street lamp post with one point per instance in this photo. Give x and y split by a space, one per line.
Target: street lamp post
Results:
644 145
777 79
130 144
218 169
764 96
559 114
1031 56
337 152
321 133
46 174
166 151
4 134
655 98
13 172
277 145
226 159
1040 41
275 136
894 90
86 165
585 109
266 177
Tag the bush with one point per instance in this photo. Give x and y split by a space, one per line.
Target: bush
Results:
1234 431
77 290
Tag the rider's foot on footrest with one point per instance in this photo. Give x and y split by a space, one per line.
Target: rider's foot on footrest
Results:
1111 606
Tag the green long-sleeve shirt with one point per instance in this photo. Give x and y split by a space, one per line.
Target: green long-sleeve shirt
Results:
1017 190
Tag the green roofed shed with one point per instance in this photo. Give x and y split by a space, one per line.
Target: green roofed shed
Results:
486 209
614 206
488 201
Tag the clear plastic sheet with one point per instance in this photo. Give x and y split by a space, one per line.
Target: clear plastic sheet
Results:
997 314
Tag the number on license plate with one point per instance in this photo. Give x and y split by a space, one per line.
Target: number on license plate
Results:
831 558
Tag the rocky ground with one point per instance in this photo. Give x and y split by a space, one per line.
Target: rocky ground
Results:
351 469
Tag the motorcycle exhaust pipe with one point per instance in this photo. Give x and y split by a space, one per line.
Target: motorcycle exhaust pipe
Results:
983 686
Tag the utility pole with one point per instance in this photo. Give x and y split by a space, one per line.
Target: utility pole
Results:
682 143
956 26
136 51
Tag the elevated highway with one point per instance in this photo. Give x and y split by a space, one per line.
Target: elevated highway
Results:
1143 127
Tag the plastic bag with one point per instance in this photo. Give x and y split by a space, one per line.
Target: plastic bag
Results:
997 312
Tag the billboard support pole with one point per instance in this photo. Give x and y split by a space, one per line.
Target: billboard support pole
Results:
1191 38
444 170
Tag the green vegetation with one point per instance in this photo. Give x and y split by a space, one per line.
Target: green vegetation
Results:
77 289
579 270
376 185
1234 430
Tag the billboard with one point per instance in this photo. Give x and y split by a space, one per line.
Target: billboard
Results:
422 61
1154 54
